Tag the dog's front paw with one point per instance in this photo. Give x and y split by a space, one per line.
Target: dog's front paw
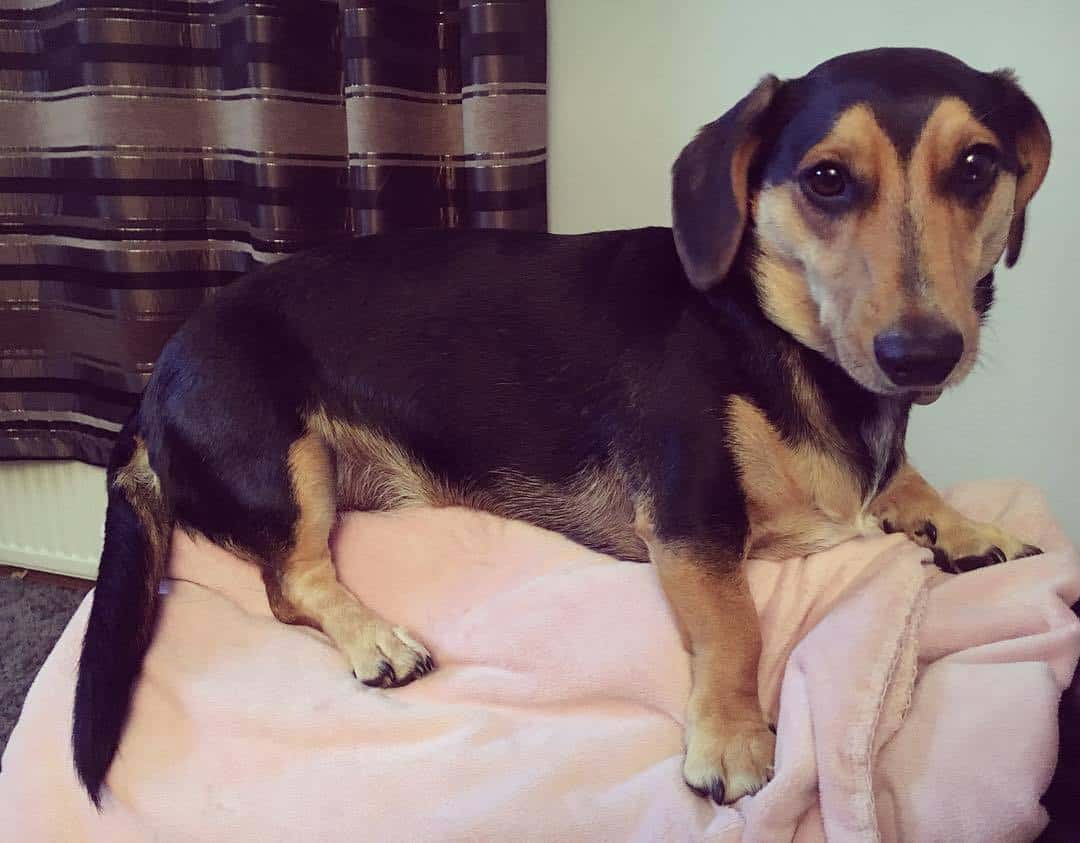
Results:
728 759
386 656
975 544
960 544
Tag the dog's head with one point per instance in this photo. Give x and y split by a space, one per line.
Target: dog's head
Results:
871 200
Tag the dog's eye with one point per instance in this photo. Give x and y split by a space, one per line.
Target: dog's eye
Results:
827 180
976 169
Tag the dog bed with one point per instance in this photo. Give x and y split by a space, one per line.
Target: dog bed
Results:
910 705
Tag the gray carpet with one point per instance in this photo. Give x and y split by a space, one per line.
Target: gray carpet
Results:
32 616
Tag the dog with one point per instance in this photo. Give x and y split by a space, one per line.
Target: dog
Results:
737 384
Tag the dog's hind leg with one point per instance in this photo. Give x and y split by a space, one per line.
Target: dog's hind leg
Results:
303 587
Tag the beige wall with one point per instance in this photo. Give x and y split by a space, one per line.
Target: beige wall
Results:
631 80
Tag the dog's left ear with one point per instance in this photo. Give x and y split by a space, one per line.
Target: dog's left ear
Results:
710 187
1032 148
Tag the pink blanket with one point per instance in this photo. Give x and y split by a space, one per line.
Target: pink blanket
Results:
911 705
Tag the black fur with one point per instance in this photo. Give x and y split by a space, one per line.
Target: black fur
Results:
481 352
901 86
713 171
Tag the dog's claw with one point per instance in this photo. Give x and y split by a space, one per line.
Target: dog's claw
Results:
928 531
386 657
714 790
727 764
941 559
717 791
385 678
994 556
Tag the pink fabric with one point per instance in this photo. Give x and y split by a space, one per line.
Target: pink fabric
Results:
556 711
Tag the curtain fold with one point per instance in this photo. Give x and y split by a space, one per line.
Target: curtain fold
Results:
151 152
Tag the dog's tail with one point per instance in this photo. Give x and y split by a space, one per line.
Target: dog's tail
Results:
138 526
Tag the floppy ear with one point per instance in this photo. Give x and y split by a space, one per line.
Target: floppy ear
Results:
1032 137
710 187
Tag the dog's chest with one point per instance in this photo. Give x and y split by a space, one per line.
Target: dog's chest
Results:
811 494
882 436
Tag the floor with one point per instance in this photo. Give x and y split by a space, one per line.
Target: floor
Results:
34 609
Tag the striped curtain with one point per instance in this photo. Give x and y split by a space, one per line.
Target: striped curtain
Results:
151 151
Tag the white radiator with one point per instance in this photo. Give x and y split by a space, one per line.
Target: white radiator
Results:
52 516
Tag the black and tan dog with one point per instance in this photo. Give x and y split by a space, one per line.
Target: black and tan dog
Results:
739 384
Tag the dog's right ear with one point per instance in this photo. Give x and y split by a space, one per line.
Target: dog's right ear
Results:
710 187
1033 144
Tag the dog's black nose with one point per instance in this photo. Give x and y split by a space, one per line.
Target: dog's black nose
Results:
919 352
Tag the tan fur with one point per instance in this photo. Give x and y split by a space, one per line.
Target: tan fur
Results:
850 268
307 589
800 498
957 244
594 506
740 170
374 472
139 483
1033 148
786 297
343 465
836 283
726 734
137 476
909 503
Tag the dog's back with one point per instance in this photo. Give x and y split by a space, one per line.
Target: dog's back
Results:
481 350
